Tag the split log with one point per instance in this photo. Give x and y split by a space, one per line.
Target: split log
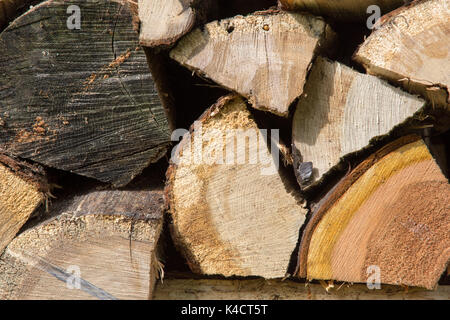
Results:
391 212
100 246
339 114
81 100
411 47
163 22
261 289
342 10
263 56
233 212
9 8
23 188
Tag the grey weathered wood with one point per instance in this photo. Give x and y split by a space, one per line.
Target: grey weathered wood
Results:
81 100
339 114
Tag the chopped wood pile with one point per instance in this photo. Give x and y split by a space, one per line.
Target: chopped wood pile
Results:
206 143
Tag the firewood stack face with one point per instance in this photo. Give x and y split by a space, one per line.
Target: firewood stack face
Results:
317 164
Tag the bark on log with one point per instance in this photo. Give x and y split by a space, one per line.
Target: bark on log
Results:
23 188
340 113
391 212
100 246
163 22
264 56
411 47
81 100
233 212
341 10
9 8
260 289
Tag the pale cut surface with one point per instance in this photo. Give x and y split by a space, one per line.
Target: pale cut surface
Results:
89 240
233 219
412 47
18 200
164 21
263 57
342 110
343 10
391 212
261 289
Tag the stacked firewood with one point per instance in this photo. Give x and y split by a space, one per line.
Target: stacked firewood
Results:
300 139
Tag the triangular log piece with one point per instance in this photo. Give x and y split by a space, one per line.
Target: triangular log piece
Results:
264 57
411 47
100 246
339 114
387 221
81 100
233 212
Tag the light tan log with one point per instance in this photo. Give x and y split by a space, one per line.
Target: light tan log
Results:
340 112
260 289
411 48
21 193
386 221
264 57
163 22
342 10
9 9
241 217
101 246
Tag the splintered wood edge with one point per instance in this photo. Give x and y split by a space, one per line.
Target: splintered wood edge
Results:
31 247
389 74
334 195
170 177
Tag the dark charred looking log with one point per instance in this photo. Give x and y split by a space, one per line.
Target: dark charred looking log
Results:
80 96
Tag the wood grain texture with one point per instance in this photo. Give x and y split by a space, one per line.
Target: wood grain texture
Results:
260 289
163 22
80 100
232 218
339 114
340 10
411 47
9 8
392 211
263 57
109 236
19 197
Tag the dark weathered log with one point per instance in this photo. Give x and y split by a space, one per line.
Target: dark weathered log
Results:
340 113
101 245
341 10
264 56
81 100
233 212
9 9
390 215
